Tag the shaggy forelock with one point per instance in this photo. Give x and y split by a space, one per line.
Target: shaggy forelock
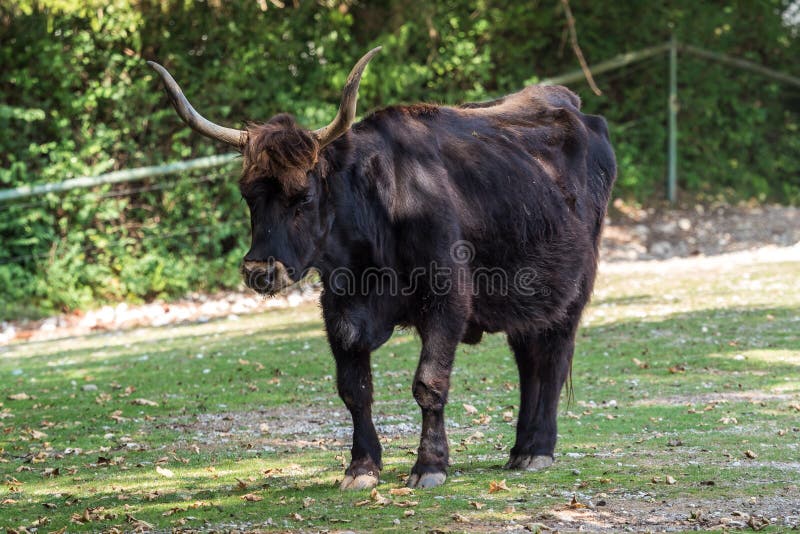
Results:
281 150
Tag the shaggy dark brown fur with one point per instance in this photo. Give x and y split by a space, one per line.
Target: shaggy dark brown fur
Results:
280 150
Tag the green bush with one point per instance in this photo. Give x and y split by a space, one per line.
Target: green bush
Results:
78 99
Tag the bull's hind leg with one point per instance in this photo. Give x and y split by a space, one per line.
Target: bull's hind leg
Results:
543 360
440 337
354 382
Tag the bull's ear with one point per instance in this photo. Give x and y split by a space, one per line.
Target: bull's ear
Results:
347 109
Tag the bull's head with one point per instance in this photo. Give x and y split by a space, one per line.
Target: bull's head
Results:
282 182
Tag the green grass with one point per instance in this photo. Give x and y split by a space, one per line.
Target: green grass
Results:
680 370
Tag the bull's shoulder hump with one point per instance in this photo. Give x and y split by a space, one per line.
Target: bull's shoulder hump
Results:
530 99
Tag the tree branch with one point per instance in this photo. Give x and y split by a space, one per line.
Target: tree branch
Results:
577 49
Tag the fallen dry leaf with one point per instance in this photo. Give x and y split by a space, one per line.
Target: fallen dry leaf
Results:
495 486
138 524
296 516
750 454
41 521
408 513
575 505
401 491
670 480
51 472
470 409
144 402
308 501
757 523
252 497
116 415
477 505
35 434
483 419
458 518
378 498
19 396
163 471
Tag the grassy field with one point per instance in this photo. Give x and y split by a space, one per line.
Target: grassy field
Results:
686 414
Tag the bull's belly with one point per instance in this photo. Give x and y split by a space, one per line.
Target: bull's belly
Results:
531 295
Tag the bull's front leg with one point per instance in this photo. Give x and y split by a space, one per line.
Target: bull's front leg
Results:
440 336
354 382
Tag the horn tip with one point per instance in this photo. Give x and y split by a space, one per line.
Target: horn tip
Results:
156 67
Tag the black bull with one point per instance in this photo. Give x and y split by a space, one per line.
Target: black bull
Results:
454 220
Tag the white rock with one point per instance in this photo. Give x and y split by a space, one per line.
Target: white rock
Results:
7 334
49 324
661 249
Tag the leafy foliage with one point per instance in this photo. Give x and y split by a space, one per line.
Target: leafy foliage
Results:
78 100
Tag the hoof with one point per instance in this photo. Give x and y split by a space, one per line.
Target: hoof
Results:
426 480
360 482
527 462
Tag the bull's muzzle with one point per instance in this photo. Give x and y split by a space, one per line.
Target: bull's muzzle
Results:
266 277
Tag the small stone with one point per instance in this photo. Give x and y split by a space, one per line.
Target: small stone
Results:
661 249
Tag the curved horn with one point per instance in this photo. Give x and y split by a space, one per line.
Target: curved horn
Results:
347 109
197 122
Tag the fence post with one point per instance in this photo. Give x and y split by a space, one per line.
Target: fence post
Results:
672 107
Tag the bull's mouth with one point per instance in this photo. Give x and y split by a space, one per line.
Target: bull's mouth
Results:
266 278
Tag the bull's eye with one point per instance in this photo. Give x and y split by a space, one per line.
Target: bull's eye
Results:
301 202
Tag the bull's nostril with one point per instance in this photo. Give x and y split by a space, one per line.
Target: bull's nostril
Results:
265 277
259 280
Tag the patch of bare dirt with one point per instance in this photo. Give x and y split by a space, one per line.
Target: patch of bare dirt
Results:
647 234
643 513
283 428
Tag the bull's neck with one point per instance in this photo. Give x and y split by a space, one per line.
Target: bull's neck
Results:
360 234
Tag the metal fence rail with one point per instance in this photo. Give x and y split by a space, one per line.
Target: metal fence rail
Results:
127 175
